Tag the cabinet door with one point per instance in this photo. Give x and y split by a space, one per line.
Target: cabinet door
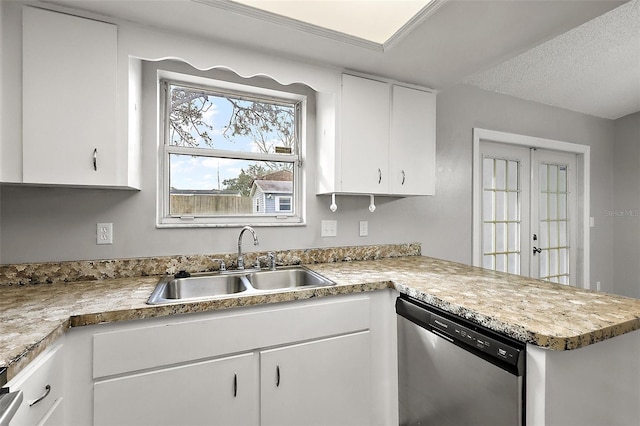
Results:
413 142
364 141
42 385
215 392
322 382
69 99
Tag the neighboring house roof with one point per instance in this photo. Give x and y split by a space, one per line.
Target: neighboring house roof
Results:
280 182
272 186
280 175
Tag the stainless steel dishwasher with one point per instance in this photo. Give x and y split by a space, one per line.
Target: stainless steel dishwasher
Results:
454 372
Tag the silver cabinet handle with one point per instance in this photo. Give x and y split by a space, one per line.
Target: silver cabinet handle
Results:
235 385
95 159
47 390
403 176
379 176
277 375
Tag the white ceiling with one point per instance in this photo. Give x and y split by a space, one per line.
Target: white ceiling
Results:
376 21
460 41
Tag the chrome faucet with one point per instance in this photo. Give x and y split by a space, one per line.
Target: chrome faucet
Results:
255 243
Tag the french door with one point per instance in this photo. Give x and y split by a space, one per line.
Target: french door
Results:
527 220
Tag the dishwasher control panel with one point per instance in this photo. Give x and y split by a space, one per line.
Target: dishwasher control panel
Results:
490 345
469 337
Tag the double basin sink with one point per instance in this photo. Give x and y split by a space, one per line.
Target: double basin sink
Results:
205 286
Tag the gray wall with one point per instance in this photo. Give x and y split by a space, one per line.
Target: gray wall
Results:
50 224
625 214
462 108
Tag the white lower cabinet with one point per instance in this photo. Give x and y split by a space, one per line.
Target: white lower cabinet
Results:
42 385
323 382
220 391
325 361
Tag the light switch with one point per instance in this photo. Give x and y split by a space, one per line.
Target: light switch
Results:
364 228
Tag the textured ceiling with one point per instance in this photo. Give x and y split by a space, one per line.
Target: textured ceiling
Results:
593 69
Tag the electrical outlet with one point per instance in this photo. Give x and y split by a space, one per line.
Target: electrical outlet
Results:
104 233
598 286
329 228
364 228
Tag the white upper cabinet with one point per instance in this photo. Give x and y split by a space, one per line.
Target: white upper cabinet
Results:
383 143
412 151
70 93
365 136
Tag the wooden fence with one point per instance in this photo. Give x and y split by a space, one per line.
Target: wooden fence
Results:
184 205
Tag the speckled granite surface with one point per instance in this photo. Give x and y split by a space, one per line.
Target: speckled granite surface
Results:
31 317
40 273
547 315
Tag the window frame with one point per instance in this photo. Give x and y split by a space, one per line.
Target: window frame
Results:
296 217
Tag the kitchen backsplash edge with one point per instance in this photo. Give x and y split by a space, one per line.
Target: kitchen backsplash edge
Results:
95 270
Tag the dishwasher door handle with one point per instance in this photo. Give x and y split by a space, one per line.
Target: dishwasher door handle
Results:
444 336
9 403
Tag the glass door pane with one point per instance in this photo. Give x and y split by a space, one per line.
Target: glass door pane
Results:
501 214
554 179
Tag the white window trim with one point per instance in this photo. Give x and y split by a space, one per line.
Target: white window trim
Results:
583 153
278 198
163 220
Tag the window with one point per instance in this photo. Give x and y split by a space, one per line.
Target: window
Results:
283 204
227 150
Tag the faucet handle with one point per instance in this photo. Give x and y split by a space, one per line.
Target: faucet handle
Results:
272 260
223 266
256 265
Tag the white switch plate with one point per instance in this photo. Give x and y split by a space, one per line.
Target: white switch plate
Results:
364 228
104 233
329 228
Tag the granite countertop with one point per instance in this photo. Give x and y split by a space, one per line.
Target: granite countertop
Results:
547 315
543 314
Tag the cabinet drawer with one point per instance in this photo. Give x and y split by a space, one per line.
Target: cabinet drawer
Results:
45 371
221 333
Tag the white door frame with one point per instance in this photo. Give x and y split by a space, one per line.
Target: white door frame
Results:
583 154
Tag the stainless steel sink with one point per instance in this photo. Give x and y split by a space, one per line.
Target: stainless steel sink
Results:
288 277
198 286
217 285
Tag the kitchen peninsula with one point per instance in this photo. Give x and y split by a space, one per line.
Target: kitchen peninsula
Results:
582 346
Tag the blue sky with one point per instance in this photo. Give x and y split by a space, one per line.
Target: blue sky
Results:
189 172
